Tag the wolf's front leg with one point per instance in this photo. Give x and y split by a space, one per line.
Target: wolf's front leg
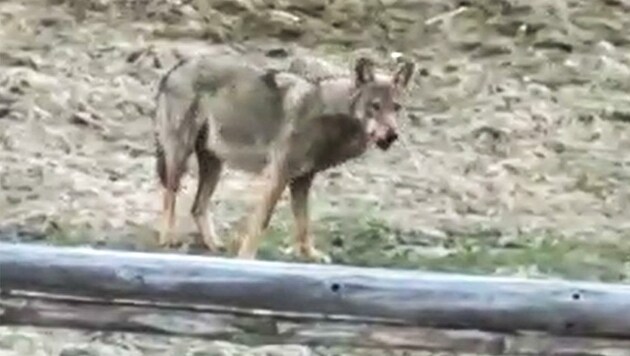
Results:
303 240
258 222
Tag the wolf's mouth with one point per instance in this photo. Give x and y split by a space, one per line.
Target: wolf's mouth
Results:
386 142
383 144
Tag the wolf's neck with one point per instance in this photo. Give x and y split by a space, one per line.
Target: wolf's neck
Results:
337 95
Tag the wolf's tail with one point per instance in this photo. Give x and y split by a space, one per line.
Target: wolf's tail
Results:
173 132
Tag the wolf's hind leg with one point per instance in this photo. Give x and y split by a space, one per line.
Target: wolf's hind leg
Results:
170 172
209 173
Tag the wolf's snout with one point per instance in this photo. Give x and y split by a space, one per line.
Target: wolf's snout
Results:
387 141
392 137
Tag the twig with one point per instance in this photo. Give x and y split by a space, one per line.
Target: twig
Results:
446 16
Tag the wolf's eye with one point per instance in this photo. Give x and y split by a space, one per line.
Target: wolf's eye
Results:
376 106
397 107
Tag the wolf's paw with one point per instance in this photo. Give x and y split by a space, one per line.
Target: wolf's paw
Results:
168 242
245 248
309 253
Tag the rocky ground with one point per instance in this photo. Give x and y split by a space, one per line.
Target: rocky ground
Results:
514 160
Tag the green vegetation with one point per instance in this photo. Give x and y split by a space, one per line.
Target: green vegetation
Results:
368 241
365 240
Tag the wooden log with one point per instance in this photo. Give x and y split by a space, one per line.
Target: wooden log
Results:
239 328
255 329
416 298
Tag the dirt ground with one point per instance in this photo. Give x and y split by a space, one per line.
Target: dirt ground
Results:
514 159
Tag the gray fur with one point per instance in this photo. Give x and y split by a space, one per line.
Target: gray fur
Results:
279 123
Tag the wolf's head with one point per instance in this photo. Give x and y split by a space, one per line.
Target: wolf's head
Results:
376 101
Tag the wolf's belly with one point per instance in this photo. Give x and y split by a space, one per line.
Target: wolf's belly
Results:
253 159
244 157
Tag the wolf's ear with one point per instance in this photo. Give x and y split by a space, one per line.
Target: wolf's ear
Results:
403 74
363 71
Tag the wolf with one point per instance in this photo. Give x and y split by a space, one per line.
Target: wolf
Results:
272 122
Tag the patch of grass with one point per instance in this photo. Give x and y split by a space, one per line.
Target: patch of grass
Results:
367 241
62 233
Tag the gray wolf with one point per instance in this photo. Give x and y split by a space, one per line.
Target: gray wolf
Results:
276 123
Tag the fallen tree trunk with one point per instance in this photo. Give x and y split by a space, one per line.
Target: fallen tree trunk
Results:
239 328
253 329
413 298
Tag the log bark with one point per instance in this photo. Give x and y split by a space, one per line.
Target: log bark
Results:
414 298
243 329
251 329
